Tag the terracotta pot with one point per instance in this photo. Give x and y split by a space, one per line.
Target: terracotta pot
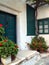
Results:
13 57
41 50
0 59
38 50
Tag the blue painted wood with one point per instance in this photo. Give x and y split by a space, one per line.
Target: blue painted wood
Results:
43 23
30 20
9 23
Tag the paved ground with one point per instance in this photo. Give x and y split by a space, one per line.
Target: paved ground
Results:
46 60
43 61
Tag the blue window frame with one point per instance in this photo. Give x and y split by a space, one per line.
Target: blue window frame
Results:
43 26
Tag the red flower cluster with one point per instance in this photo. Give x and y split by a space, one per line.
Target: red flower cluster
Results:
1 44
5 40
1 25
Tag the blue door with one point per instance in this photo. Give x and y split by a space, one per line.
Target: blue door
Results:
9 23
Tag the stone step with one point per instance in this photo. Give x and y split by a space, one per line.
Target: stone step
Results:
27 57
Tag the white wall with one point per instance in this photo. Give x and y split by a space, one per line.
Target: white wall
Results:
15 4
19 8
23 28
43 12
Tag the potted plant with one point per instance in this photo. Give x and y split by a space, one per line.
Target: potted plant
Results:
7 47
38 43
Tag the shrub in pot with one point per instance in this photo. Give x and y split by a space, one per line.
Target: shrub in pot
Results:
38 43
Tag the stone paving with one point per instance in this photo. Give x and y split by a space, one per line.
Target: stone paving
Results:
43 61
46 60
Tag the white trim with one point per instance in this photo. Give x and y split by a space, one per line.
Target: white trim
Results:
9 9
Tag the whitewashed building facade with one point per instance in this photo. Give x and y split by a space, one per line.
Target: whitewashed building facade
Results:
18 8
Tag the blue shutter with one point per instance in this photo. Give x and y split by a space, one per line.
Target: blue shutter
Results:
30 20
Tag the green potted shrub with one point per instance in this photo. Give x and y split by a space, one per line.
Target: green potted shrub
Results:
7 47
39 44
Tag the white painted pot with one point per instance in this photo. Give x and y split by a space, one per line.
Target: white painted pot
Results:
6 61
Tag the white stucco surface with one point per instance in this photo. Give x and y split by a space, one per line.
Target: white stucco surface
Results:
15 4
18 8
43 12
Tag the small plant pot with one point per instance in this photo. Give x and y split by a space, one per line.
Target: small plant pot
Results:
0 60
13 57
6 61
42 50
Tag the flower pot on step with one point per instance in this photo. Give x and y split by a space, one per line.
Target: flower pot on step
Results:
13 57
0 59
6 61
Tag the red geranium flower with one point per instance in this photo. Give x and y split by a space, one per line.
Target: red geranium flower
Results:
1 44
5 40
1 25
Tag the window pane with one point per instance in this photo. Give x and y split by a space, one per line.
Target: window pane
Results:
45 26
40 27
41 31
45 22
40 23
45 30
